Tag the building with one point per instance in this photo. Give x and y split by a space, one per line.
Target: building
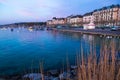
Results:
68 19
107 16
49 22
75 20
88 17
59 21
56 21
119 17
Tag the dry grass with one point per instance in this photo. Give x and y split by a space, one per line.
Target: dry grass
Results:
107 68
41 70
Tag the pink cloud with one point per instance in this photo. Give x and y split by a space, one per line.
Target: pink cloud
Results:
3 1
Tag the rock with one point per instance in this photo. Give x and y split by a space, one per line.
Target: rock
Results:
33 76
56 78
64 75
73 67
46 78
73 72
54 72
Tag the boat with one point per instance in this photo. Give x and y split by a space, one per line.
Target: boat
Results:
48 28
12 29
30 29
3 28
114 28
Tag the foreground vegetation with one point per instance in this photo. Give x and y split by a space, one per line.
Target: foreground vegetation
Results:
106 67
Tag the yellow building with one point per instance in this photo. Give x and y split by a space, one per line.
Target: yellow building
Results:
56 21
75 20
107 16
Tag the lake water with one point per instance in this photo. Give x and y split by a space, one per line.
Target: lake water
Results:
21 49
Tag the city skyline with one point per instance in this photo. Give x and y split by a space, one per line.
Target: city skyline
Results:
38 10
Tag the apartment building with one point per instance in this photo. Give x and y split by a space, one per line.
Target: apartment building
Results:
119 17
56 21
75 20
49 22
107 16
88 17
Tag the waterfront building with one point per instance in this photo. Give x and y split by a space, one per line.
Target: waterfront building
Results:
49 22
107 16
59 21
75 20
56 21
68 19
119 17
88 17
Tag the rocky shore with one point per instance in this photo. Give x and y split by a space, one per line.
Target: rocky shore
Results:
54 74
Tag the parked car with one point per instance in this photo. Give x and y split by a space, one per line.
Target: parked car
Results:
115 28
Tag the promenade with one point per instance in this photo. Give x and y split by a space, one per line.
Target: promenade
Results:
106 32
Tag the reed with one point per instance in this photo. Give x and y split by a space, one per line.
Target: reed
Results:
41 70
106 68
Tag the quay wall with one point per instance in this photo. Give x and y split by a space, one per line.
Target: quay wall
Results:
93 32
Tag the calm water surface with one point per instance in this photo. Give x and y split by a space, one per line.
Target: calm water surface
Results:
22 49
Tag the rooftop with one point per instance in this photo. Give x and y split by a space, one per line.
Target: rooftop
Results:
107 7
77 16
58 18
87 14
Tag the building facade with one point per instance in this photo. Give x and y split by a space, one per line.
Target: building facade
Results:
107 16
88 17
75 20
56 21
119 17
68 19
49 22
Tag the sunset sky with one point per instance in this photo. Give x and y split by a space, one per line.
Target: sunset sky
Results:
12 11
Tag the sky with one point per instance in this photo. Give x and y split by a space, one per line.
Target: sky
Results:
14 11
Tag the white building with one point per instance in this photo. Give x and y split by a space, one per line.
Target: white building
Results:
87 18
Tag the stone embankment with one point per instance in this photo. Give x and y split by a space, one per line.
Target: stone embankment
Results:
48 75
100 32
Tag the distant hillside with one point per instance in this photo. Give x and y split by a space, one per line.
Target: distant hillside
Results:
25 24
31 23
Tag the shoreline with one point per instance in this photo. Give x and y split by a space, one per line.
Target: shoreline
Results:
51 73
92 32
